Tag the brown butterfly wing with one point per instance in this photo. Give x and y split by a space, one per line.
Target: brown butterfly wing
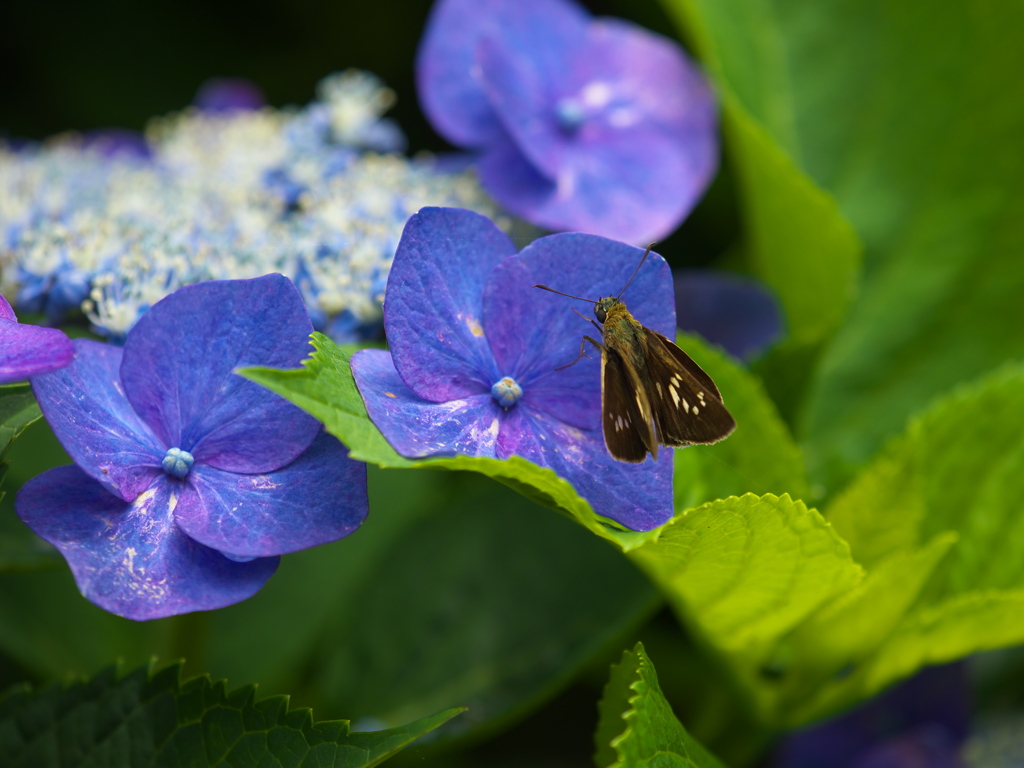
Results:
626 415
688 408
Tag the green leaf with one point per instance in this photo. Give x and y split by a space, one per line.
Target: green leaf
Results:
493 603
18 409
796 238
759 457
957 475
904 111
958 468
637 727
938 522
822 666
19 547
747 570
153 719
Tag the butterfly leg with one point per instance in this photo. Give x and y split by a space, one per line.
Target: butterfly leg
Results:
583 343
589 320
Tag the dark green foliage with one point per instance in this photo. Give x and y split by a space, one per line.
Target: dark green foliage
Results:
149 718
637 727
18 409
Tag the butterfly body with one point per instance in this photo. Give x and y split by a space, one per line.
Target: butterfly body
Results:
652 393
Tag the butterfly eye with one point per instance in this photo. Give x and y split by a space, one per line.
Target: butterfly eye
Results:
600 312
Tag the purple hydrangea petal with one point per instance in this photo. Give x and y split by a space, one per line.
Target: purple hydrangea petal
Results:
416 427
319 497
532 332
118 142
519 89
433 310
634 188
935 704
178 372
623 82
130 558
532 337
229 94
647 81
639 496
598 126
6 311
28 350
738 313
509 176
90 415
446 64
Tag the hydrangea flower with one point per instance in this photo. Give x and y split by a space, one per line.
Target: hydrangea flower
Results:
581 124
920 723
739 314
26 350
475 350
229 94
190 481
222 193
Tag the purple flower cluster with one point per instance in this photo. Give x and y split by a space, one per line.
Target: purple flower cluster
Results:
26 350
190 480
585 124
738 313
475 353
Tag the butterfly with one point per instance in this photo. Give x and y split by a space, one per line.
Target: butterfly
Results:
652 393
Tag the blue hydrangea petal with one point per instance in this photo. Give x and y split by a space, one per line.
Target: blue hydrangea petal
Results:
178 372
639 496
524 94
229 94
6 311
130 558
649 82
319 497
86 407
28 350
446 64
434 306
509 176
634 188
532 332
737 313
415 427
645 148
532 337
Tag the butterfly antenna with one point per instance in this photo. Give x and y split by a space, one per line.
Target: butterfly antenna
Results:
646 254
544 287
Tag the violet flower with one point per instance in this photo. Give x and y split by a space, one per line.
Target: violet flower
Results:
475 351
26 350
921 722
582 124
739 314
229 94
190 480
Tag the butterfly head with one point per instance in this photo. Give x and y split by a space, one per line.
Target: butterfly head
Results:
604 306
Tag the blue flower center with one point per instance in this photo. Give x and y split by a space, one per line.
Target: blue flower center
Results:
507 392
177 462
570 114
